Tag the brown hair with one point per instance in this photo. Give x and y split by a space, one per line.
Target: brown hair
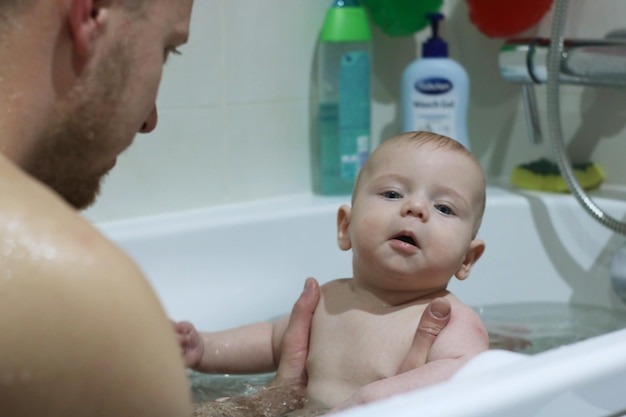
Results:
9 8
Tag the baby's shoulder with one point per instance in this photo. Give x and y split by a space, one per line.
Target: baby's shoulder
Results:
456 301
464 336
465 318
335 286
460 309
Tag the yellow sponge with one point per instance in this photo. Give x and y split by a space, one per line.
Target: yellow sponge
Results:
544 175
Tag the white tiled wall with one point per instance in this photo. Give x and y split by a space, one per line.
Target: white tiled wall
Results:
233 110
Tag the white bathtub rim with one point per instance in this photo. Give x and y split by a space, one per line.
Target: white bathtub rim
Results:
528 382
206 217
297 204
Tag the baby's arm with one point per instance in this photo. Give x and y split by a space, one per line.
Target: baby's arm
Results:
247 349
463 338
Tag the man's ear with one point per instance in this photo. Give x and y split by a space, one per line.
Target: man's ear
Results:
343 223
86 18
474 252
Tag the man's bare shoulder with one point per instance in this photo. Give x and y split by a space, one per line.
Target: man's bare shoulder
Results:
83 333
42 236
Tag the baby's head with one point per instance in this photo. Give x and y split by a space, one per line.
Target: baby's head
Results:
416 208
430 144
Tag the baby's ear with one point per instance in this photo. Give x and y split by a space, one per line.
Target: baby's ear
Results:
474 252
343 223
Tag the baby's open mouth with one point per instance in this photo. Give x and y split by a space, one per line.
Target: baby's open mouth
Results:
407 239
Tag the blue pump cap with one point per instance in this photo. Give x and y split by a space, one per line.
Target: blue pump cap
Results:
434 47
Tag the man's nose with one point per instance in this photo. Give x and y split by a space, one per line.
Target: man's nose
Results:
416 207
151 122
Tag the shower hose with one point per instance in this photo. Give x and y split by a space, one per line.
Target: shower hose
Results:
554 123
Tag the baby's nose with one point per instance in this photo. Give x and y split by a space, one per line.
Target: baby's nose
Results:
415 207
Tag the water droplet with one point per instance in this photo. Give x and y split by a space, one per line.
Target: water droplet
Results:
50 253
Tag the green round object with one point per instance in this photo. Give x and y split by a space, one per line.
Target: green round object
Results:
401 17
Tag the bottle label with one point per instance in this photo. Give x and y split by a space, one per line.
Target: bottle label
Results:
434 106
354 112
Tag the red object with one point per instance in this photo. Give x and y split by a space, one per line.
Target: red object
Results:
505 18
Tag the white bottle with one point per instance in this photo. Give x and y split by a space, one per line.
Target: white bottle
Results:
435 91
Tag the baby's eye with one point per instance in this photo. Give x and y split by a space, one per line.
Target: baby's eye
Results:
393 195
442 208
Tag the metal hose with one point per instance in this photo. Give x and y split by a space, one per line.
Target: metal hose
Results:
554 123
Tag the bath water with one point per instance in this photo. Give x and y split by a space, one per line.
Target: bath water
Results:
536 327
205 387
522 327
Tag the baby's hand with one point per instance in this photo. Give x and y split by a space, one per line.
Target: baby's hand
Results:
190 342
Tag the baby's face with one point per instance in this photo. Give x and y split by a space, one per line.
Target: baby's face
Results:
414 214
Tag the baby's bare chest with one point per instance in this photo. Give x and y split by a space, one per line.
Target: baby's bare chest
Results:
361 346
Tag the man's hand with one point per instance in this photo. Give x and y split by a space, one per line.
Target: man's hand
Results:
286 392
295 343
434 319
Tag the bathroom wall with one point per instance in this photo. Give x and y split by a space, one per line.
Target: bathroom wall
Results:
233 109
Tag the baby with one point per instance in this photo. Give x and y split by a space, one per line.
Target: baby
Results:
416 209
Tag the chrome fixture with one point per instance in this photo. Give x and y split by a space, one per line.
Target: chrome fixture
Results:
586 62
583 61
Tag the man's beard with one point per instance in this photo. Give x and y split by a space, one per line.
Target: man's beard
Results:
71 155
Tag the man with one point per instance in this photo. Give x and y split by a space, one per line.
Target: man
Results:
82 333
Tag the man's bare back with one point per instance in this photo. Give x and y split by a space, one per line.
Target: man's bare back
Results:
74 275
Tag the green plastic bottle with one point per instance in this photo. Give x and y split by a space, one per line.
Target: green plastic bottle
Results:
342 140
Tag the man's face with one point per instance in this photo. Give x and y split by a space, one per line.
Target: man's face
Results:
113 101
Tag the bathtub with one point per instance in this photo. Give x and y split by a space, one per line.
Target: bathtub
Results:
229 265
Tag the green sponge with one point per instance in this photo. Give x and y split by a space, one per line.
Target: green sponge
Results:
544 175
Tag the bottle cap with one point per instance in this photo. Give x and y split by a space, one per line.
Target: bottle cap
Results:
345 21
434 47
